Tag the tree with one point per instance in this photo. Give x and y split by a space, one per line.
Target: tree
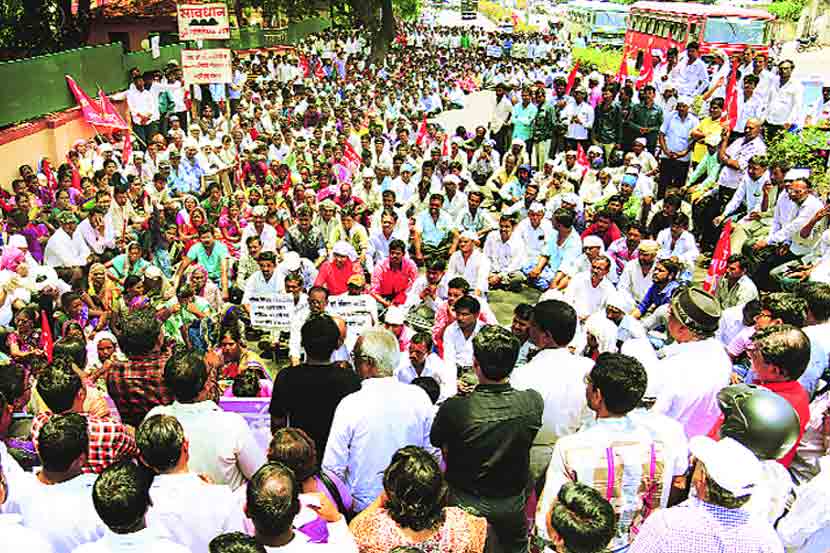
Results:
29 28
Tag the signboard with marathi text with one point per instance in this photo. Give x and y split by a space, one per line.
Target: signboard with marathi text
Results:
355 310
203 21
206 66
272 311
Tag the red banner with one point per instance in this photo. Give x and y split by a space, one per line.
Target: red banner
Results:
647 72
730 109
422 132
351 158
572 78
622 72
91 110
46 342
110 114
717 268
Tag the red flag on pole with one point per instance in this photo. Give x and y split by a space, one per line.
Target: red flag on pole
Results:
717 268
304 66
89 108
112 118
647 72
730 111
622 72
572 78
46 342
581 156
422 132
127 152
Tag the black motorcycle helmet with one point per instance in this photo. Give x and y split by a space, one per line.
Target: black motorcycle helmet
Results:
760 419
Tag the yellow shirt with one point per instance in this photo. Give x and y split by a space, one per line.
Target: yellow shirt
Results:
707 126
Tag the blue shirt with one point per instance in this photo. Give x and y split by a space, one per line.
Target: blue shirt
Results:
211 262
190 176
523 120
564 254
433 233
677 132
657 297
217 91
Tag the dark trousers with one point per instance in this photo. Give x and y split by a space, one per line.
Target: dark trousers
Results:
144 133
767 261
673 172
706 212
506 516
501 139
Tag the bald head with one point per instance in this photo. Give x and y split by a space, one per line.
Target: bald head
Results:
272 499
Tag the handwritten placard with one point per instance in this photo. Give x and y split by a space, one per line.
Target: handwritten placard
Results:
203 21
272 310
206 66
355 310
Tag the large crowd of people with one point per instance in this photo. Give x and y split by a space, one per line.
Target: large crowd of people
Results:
625 408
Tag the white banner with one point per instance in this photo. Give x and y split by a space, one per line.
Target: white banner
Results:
203 21
355 310
272 311
207 66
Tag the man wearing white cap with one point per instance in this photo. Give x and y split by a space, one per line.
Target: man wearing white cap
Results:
505 251
725 474
335 273
190 172
470 263
635 279
267 233
589 290
675 145
579 117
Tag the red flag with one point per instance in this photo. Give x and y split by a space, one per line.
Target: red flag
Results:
46 169
304 66
581 156
717 268
127 152
90 110
622 72
352 160
286 184
572 78
422 132
112 118
318 71
647 71
46 342
730 108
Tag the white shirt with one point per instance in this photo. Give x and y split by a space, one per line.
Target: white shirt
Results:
685 248
434 367
505 257
458 350
89 237
634 282
256 285
62 251
771 493
806 528
558 375
475 269
689 381
784 103
192 511
755 107
18 483
268 237
148 540
369 426
143 103
535 240
584 113
690 79
63 514
584 297
221 443
19 538
789 230
340 541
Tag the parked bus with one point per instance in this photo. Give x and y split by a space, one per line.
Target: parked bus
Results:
599 23
665 25
469 9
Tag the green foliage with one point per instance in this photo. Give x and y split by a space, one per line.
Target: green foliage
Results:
606 60
407 9
799 150
787 9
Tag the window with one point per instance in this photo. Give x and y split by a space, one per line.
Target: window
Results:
679 33
693 32
734 30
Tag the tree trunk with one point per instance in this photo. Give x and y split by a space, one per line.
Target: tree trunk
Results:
382 37
237 9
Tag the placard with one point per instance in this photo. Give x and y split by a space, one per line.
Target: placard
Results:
355 310
203 21
272 310
207 66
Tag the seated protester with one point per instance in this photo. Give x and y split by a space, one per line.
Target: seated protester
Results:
413 509
387 231
63 391
724 477
664 285
623 209
435 232
184 506
618 309
621 447
221 444
804 527
122 499
62 252
130 263
294 265
445 314
262 281
394 320
393 276
580 519
520 208
212 255
58 502
592 249
603 227
250 383
335 273
431 287
678 243
736 319
272 502
506 254
317 377
470 263
421 362
183 316
16 537
248 262
662 215
589 290
635 279
735 288
768 426
305 240
624 249
561 250
458 341
757 223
